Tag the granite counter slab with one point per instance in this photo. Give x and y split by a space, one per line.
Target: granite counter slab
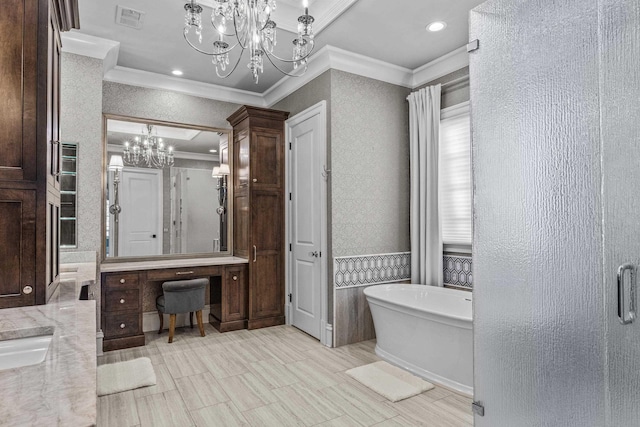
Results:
61 391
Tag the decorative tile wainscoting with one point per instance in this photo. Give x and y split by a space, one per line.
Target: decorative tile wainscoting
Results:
363 270
457 271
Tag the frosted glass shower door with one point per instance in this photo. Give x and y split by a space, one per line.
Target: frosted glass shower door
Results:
539 312
620 110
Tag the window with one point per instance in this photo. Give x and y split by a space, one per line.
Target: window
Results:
455 175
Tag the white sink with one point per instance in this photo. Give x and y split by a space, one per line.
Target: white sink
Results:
19 352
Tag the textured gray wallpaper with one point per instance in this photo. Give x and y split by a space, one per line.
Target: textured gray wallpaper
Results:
157 104
370 166
81 122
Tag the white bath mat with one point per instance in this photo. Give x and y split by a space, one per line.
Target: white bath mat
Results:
124 376
389 381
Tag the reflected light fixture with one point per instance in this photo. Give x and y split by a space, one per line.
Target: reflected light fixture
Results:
116 165
436 26
247 24
148 150
177 72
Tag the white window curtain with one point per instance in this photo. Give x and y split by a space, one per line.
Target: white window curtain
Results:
426 236
455 175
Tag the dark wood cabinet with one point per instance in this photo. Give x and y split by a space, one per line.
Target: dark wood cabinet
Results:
122 310
29 142
228 303
258 150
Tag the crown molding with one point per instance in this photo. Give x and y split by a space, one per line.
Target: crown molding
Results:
330 57
146 79
441 66
86 45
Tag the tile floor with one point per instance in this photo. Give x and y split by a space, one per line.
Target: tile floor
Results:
275 376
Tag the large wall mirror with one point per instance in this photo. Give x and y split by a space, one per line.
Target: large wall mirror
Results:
166 189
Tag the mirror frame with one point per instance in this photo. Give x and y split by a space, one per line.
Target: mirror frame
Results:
104 172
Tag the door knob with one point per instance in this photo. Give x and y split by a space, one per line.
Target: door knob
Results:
314 254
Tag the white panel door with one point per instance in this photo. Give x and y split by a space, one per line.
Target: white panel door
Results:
141 217
306 158
202 199
619 31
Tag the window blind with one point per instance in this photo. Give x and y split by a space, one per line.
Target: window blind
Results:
455 175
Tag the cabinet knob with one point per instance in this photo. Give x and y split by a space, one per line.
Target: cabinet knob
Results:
235 277
255 179
122 325
121 300
122 280
27 290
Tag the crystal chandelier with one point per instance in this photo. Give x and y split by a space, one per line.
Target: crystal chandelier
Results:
148 150
249 24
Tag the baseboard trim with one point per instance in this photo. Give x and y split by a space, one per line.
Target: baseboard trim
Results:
327 330
265 322
99 341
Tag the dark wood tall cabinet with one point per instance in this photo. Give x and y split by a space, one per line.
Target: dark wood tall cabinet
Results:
29 146
258 154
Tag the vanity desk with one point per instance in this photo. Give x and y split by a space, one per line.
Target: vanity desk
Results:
130 289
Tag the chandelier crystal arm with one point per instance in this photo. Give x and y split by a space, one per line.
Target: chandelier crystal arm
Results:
313 45
224 76
204 52
280 69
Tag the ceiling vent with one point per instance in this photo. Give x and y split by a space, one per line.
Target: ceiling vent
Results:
129 17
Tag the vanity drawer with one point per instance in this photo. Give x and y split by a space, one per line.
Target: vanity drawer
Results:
121 324
121 280
183 273
122 300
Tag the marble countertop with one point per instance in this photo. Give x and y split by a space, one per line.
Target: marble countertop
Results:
108 267
61 390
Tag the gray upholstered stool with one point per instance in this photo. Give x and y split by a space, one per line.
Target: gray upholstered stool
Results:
182 296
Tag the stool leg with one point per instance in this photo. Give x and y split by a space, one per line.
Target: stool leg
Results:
172 327
161 321
191 318
200 324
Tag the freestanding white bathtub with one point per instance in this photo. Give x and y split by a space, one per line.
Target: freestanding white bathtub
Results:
426 330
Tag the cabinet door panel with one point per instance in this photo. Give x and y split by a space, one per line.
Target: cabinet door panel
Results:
18 89
235 295
241 159
241 224
266 221
266 286
17 247
266 159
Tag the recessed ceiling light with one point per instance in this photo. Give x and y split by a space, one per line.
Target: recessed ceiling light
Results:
213 151
177 73
437 26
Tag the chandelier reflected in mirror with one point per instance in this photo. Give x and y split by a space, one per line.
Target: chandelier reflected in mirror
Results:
148 150
248 25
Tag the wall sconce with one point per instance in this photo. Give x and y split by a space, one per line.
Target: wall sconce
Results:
116 165
221 172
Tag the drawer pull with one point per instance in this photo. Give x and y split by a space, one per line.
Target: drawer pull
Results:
255 179
121 300
180 273
122 280
235 277
122 325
